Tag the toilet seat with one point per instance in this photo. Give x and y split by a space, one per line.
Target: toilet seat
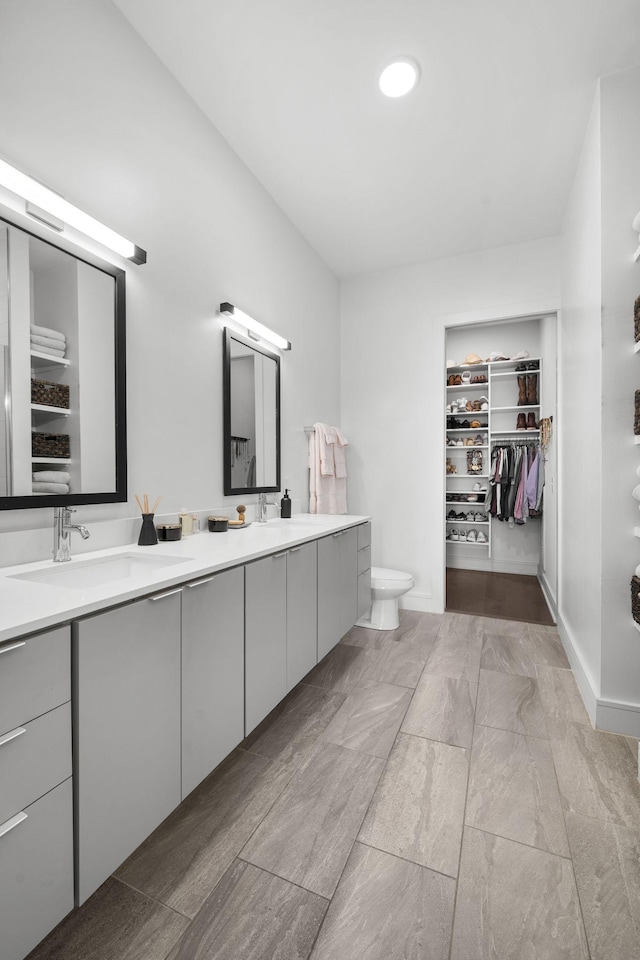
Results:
382 573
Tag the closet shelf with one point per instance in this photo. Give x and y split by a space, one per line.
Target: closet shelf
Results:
636 439
469 446
50 460
468 543
636 349
636 625
466 429
467 386
42 360
468 476
476 523
52 411
517 434
522 406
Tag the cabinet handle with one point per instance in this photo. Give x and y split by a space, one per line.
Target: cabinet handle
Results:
334 535
10 824
13 646
161 596
8 737
295 549
276 556
198 583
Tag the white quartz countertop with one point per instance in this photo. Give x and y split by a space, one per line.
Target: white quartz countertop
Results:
27 606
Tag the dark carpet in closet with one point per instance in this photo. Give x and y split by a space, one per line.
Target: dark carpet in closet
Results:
507 596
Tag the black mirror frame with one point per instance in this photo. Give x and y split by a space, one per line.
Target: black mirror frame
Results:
226 389
119 495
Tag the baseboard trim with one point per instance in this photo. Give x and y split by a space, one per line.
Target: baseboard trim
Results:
617 716
583 678
489 565
548 596
422 602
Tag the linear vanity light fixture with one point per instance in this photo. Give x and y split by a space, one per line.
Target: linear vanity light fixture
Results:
254 326
55 212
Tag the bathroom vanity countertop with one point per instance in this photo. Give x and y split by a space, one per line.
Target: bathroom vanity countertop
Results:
27 606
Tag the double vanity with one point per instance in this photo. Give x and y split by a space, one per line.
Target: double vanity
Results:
153 663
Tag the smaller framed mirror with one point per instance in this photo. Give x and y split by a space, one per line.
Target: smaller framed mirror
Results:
251 385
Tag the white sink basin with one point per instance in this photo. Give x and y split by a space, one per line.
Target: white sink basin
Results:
294 524
83 574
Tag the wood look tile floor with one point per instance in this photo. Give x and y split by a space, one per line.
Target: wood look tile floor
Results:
509 596
435 792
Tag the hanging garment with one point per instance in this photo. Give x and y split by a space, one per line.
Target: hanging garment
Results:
516 482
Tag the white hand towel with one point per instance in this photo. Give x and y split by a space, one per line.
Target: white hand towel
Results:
47 332
50 487
48 342
38 348
51 476
324 448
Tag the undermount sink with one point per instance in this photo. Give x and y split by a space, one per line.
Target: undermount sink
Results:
296 524
83 574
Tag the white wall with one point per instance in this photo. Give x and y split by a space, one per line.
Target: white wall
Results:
393 354
620 153
580 450
88 109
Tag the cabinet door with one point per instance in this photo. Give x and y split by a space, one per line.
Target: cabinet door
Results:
348 546
212 673
36 871
265 637
127 731
302 606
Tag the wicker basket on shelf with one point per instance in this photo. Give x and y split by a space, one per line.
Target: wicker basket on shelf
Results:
50 394
50 445
635 598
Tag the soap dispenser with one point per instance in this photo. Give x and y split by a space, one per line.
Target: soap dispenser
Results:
285 505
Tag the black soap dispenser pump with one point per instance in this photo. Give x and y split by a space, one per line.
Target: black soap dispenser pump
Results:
285 505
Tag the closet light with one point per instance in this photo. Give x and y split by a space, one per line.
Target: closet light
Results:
254 326
52 203
399 77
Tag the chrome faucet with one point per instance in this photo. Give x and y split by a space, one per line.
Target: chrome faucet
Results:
62 528
263 503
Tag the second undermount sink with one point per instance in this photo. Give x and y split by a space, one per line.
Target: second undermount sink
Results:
84 574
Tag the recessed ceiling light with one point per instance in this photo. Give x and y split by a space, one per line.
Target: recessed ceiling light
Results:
399 77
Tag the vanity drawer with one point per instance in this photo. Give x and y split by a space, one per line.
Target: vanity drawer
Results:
36 871
364 535
34 758
35 676
364 560
364 593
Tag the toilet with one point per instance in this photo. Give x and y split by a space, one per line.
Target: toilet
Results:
386 587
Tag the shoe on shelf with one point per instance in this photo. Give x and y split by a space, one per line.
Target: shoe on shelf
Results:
533 365
454 535
465 425
521 423
471 498
532 389
461 516
451 380
474 424
466 377
451 515
472 536
459 442
478 442
469 442
522 355
482 537
476 487
522 391
531 421
484 403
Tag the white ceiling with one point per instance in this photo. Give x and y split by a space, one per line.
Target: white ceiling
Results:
481 154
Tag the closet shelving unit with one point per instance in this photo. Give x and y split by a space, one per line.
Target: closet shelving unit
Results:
41 413
501 376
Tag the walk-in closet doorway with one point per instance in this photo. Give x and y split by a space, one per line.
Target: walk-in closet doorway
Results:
500 509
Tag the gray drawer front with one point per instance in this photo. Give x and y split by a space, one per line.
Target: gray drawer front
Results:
35 676
36 872
364 560
364 535
364 593
33 762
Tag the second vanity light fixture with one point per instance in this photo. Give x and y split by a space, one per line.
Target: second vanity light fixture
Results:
50 208
254 326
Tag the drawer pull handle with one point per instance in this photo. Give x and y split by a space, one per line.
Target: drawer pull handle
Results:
13 646
11 824
276 556
8 737
295 549
161 596
198 583
334 535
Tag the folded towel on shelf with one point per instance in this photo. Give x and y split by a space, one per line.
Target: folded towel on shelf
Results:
47 332
48 342
51 476
38 487
48 350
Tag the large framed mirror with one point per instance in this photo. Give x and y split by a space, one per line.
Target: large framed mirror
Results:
251 384
62 375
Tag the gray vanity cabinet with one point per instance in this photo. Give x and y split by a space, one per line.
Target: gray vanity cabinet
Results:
212 673
302 607
127 731
265 637
36 796
337 587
